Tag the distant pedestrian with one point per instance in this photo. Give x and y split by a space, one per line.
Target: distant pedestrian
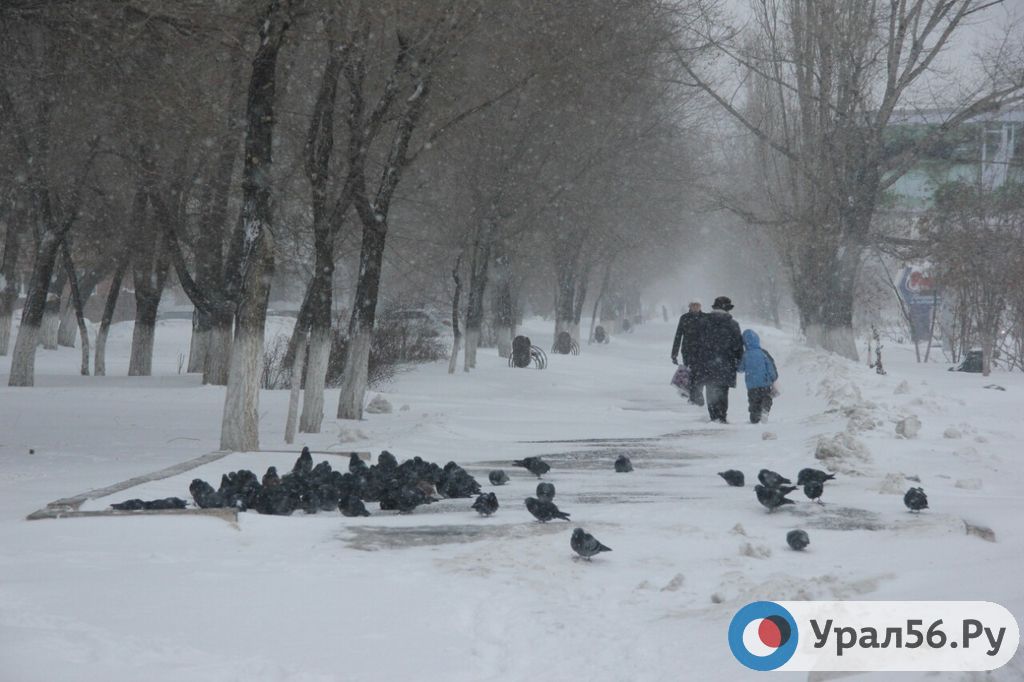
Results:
687 340
759 372
718 354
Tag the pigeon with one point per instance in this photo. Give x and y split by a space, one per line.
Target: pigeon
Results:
150 505
270 479
498 477
304 464
456 482
204 494
352 506
623 465
545 491
771 479
915 499
535 465
128 505
797 539
772 498
585 544
818 475
813 490
733 477
356 465
544 511
409 498
486 504
385 460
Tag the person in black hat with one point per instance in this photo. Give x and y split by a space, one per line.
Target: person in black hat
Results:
719 351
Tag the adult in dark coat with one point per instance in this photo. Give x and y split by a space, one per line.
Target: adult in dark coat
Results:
717 357
688 340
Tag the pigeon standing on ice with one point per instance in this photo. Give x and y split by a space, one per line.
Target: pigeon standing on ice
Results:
733 477
304 464
544 511
545 491
773 498
486 504
915 499
585 544
498 477
535 465
818 475
797 539
623 465
813 490
352 506
772 479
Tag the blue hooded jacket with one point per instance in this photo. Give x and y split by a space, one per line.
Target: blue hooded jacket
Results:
757 365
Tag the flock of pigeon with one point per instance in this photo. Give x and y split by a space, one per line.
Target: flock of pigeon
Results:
414 482
774 487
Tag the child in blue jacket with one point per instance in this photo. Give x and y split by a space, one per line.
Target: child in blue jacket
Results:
759 371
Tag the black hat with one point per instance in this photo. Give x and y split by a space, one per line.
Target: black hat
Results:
722 303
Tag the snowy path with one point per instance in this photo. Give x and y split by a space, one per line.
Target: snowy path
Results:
443 594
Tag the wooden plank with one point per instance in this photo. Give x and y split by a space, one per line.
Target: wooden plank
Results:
228 514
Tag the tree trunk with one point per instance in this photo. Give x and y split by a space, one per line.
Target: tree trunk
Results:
200 343
217 365
78 303
149 287
320 296
9 280
354 373
108 316
23 360
51 322
457 334
824 290
293 396
504 314
478 270
240 425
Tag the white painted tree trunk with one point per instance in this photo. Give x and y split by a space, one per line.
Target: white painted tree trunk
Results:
23 359
5 332
354 375
504 335
839 340
316 377
293 397
101 352
240 426
472 342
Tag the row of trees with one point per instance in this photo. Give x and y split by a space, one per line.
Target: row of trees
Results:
229 148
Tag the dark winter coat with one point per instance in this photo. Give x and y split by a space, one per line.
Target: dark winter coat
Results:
719 350
757 365
687 334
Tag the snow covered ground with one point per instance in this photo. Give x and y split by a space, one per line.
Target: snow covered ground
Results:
442 594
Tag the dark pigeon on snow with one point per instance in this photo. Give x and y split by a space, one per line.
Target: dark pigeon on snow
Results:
545 491
270 479
204 495
818 475
771 479
773 498
498 477
915 499
733 477
486 504
535 465
352 506
797 539
544 511
385 460
304 464
623 465
585 544
813 490
356 465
